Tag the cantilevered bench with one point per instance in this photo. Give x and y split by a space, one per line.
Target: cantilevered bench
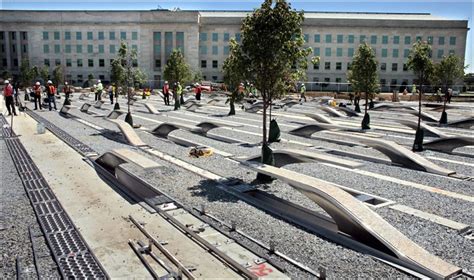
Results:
425 116
429 130
152 109
129 134
85 107
332 112
464 123
115 114
319 118
349 112
65 109
358 221
289 156
392 107
83 96
401 155
448 144
98 104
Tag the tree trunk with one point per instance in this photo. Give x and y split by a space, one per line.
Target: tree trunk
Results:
366 120
264 128
418 144
444 115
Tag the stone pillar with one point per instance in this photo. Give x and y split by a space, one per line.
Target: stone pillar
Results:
7 49
19 50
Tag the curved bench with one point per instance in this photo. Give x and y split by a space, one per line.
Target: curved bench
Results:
115 114
166 128
464 123
85 107
319 118
349 112
429 130
152 109
65 109
99 104
355 219
332 112
83 96
448 144
392 106
425 116
129 134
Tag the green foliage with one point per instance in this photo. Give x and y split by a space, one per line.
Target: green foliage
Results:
233 74
363 74
122 70
448 71
419 61
6 74
26 74
44 74
197 76
57 75
176 69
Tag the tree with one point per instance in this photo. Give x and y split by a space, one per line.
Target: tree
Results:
271 55
6 74
176 69
90 77
419 61
363 76
44 74
26 73
446 73
233 75
58 75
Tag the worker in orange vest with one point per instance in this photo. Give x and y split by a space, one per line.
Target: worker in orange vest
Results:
8 95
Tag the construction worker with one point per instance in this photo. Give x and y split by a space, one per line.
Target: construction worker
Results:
67 90
51 91
197 91
166 93
37 92
179 91
8 96
99 89
302 92
111 90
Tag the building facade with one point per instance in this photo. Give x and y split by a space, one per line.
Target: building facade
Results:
85 42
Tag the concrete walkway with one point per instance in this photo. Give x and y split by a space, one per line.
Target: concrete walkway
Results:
100 214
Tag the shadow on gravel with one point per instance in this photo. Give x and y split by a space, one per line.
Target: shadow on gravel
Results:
209 190
111 135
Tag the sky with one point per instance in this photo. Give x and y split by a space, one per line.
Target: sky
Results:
457 9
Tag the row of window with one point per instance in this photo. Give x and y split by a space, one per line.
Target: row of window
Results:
80 62
384 52
23 35
383 66
215 37
374 39
79 48
24 48
215 50
89 35
383 82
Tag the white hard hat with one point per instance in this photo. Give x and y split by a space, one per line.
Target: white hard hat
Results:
37 83
98 81
166 82
7 81
49 82
65 83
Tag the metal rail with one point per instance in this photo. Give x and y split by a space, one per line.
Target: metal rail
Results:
143 260
33 248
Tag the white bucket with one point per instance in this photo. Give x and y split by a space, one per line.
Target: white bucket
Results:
40 128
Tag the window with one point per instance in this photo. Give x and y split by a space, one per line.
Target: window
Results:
57 62
317 51
350 52
25 49
101 35
327 80
14 48
168 44
226 50
407 40
440 53
327 66
90 62
3 48
339 52
316 66
306 38
101 48
79 48
383 66
90 49
383 82
393 82
203 63
134 63
67 35
157 50
79 62
203 49
157 63
452 41
203 37
79 79
441 41
123 35
101 77
327 52
328 38
90 36
350 39
215 37
340 38
111 61
405 67
214 50
349 65
317 38
338 65
180 41
45 35
111 35
68 62
395 53
46 62
373 39
112 48
394 67
362 39
226 37
419 38
56 35
79 35
338 80
101 62
57 48
214 64
134 35
214 78
45 48
430 40
451 52
384 52
1 35
135 48
396 40
384 39
406 53
15 62
237 37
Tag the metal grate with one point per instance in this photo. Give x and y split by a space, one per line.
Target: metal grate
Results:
74 259
77 145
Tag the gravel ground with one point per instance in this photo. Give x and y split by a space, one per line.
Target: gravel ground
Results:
16 216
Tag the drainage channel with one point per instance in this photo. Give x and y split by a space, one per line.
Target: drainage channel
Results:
70 251
274 258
